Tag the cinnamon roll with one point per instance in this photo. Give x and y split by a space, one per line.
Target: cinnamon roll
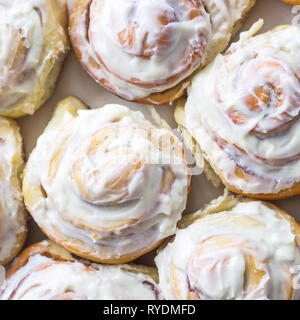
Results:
243 111
33 45
237 249
106 184
145 50
46 271
12 212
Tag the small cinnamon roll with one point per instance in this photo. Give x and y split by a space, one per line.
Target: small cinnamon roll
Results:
45 271
145 50
33 45
106 184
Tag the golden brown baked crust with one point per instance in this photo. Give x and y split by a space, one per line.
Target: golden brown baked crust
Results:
47 248
50 249
292 2
12 211
226 202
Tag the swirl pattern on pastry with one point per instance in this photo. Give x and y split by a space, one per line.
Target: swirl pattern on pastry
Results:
141 49
246 120
106 184
248 252
12 212
46 271
33 44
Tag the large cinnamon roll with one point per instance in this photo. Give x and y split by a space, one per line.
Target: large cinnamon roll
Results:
236 249
12 211
33 45
243 110
106 184
145 50
46 271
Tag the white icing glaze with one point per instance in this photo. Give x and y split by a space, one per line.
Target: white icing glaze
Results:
218 272
219 118
12 220
169 40
44 278
21 45
110 199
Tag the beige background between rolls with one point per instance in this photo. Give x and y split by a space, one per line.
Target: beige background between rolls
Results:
75 81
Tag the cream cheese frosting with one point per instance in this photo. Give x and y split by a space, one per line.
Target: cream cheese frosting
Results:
33 44
21 30
43 278
145 47
243 111
110 179
211 258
